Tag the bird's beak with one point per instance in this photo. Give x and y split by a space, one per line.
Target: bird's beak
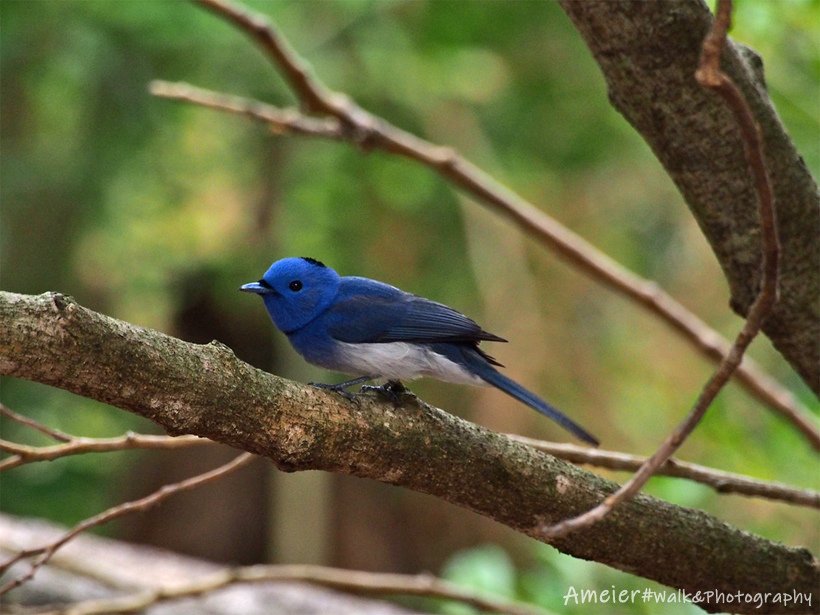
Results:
255 288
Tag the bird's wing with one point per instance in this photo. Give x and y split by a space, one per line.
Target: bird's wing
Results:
428 321
401 318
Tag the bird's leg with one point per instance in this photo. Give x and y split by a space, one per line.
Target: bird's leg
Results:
392 390
341 386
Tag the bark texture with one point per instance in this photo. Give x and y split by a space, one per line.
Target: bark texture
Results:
648 53
206 390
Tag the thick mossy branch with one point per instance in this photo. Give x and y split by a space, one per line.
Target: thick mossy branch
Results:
207 391
648 53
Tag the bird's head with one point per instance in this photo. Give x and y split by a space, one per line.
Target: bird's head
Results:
295 290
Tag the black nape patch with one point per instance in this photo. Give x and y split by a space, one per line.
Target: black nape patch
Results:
312 261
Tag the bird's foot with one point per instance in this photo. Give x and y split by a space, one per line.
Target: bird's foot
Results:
334 388
341 387
393 390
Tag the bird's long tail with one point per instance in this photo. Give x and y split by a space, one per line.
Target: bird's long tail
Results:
513 389
490 375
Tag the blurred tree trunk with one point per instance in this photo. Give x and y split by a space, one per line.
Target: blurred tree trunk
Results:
648 53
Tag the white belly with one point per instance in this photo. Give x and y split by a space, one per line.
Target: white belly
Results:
400 361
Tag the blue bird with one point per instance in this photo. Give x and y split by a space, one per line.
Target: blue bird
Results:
373 330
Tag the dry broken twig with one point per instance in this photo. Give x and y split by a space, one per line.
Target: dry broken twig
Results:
45 553
709 75
343 120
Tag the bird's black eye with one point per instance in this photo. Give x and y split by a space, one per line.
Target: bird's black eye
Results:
295 286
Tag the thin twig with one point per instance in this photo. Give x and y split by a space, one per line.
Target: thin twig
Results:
722 482
368 131
22 454
46 552
29 422
353 581
709 75
281 121
313 95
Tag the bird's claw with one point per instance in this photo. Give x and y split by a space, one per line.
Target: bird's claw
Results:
335 388
341 387
392 390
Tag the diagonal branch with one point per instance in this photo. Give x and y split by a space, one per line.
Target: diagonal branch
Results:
709 75
313 95
368 131
207 391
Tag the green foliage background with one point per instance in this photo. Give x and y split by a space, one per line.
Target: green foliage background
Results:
113 196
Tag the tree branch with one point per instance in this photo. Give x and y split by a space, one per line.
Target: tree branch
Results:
722 482
56 434
22 454
46 552
205 390
648 52
709 75
280 121
83 580
353 581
